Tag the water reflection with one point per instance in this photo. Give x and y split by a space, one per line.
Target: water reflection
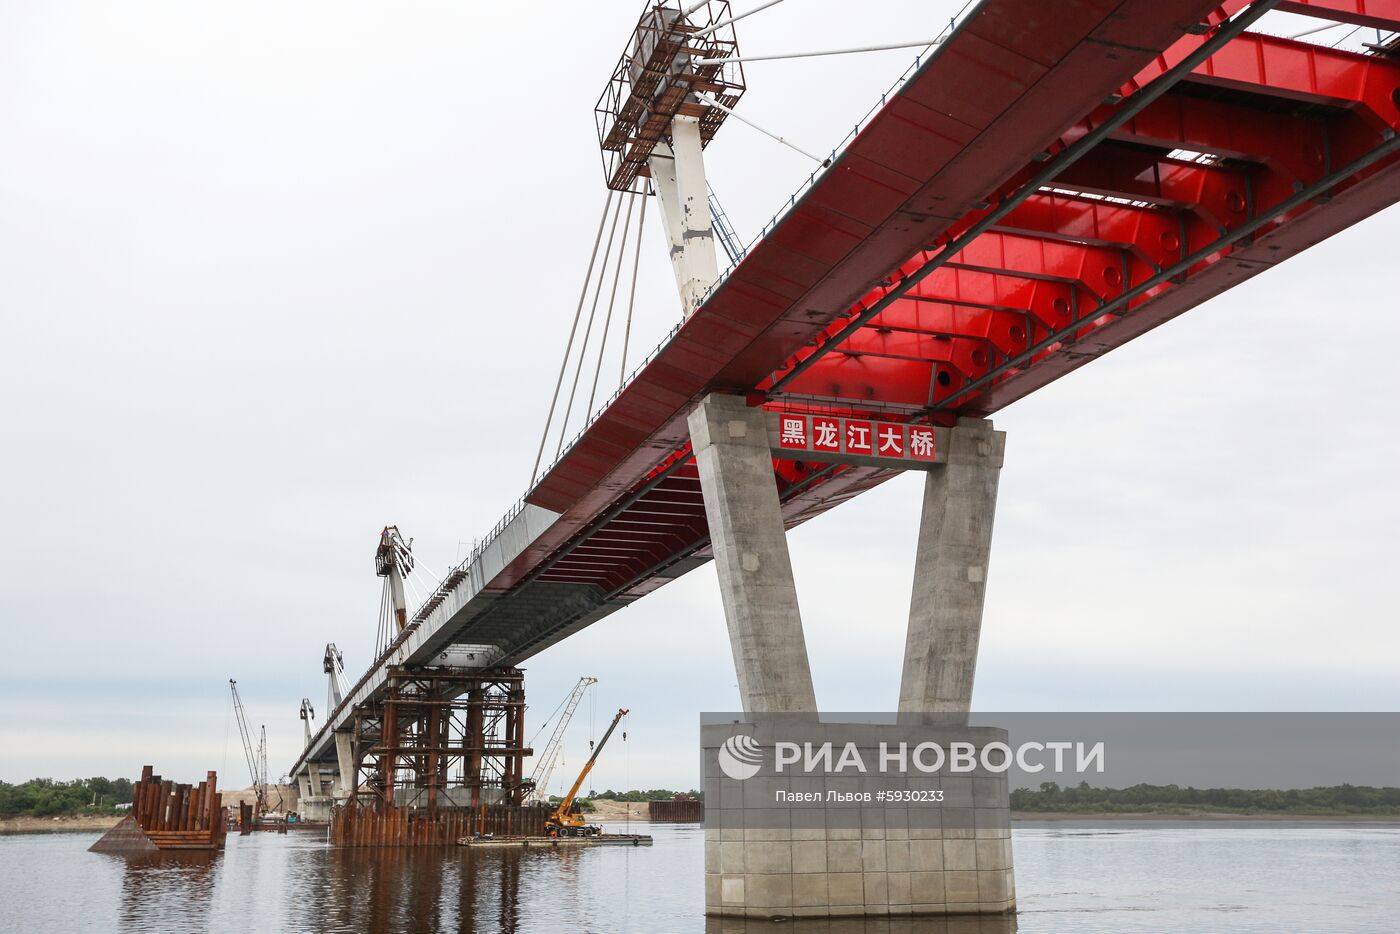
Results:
990 924
1144 880
160 890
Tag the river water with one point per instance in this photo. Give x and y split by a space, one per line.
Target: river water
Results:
1124 877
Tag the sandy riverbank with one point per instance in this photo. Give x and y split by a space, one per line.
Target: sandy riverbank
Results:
617 810
58 824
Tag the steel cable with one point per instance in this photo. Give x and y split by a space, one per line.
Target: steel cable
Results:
612 300
588 331
564 364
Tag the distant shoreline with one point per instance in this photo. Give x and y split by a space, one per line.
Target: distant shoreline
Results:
58 824
1050 817
615 811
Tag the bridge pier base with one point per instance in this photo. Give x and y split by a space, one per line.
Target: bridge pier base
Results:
835 859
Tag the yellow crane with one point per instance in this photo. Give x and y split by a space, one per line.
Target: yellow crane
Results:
564 823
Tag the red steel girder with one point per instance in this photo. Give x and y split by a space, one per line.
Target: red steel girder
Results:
1101 273
1008 332
1048 303
1376 14
1104 271
853 378
899 367
1299 71
1286 152
1217 194
1153 235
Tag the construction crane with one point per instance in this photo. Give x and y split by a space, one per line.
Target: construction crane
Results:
257 758
549 758
564 823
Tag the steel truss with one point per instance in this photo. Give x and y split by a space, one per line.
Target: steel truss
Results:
442 738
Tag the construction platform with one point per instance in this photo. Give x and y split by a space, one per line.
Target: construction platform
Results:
529 843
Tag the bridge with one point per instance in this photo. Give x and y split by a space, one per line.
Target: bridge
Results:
1048 182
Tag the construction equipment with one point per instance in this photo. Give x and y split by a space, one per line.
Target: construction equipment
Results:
257 759
308 713
393 560
563 822
333 664
545 768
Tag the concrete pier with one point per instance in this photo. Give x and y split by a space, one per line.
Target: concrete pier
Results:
949 856
730 440
950 572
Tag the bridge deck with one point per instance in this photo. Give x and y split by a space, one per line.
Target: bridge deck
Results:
935 270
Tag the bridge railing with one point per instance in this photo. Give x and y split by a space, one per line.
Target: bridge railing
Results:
919 60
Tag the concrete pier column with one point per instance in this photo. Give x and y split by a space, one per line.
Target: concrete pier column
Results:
730 440
950 572
345 762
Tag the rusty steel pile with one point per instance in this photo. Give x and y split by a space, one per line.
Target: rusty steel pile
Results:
169 816
388 825
677 810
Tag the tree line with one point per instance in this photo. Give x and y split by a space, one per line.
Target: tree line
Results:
652 794
1333 800
44 797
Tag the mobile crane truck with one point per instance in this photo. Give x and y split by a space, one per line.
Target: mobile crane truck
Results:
563 822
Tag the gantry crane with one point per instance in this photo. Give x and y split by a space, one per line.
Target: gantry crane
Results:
545 768
564 823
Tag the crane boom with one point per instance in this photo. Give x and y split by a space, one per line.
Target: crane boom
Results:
259 779
561 818
545 768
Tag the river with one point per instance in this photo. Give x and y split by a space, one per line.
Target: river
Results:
1124 877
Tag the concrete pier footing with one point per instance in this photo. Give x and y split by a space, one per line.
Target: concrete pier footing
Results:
767 859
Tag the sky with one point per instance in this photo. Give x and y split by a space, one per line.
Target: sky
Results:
275 275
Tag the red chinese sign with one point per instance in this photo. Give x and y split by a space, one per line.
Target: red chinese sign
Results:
855 437
826 433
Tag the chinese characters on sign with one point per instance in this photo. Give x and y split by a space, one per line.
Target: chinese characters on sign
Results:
856 436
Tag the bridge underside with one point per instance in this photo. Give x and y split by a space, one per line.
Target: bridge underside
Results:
1261 149
1054 181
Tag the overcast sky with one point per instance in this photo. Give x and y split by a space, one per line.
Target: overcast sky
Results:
273 275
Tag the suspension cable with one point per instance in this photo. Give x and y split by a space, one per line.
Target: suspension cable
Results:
587 331
563 364
733 19
612 300
705 98
925 43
